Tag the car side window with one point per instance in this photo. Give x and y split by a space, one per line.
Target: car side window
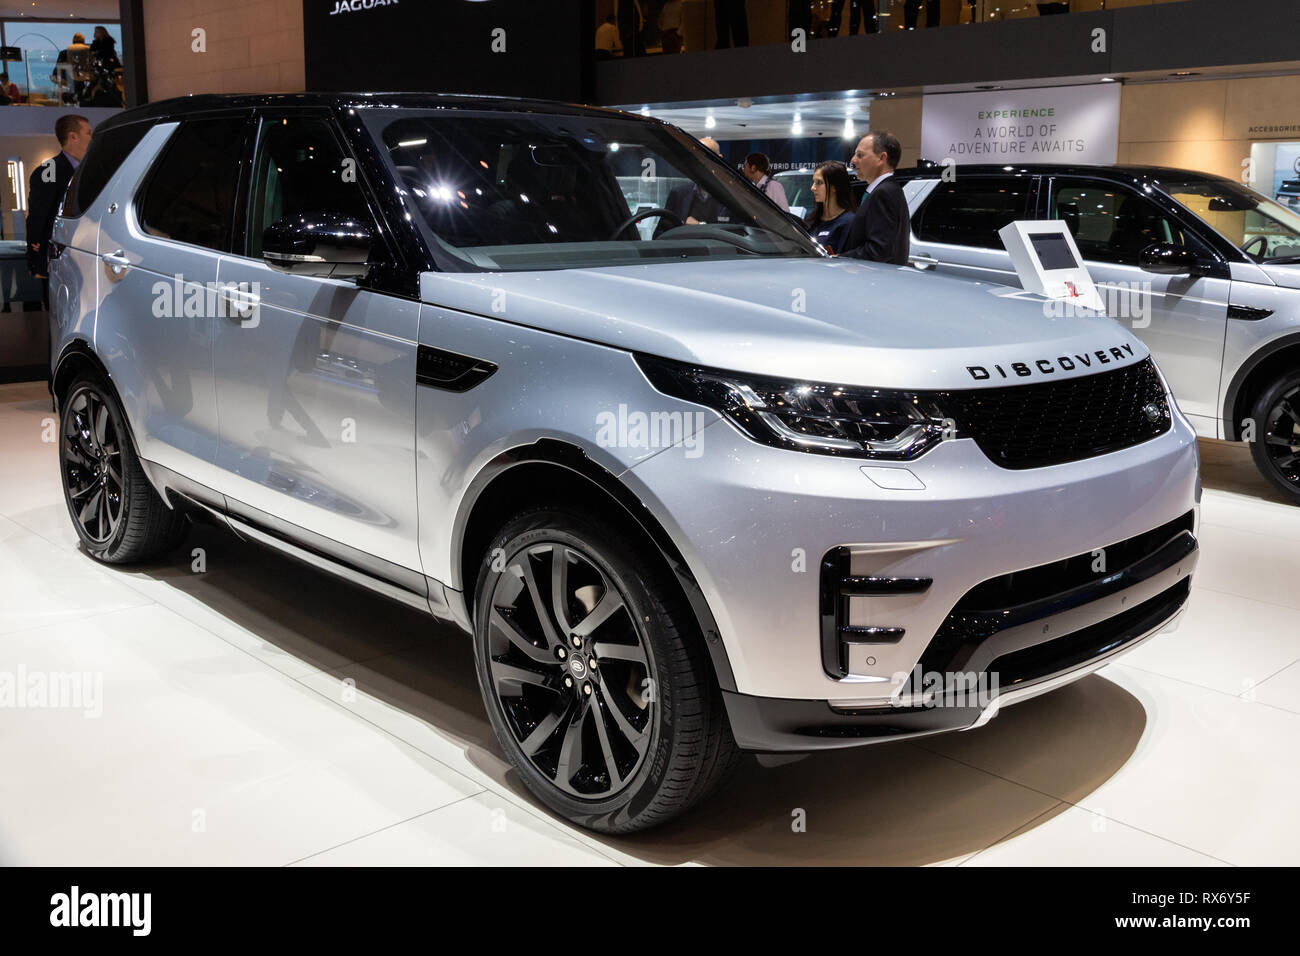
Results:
969 211
191 195
1110 223
301 168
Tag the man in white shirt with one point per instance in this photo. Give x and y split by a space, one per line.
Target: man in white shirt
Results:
758 170
607 43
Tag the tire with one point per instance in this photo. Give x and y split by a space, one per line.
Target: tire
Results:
1276 448
118 515
668 745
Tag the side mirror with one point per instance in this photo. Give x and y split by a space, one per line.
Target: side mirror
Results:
1165 258
318 244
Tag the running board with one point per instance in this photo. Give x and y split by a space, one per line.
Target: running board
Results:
348 573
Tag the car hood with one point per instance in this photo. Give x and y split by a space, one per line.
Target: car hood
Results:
842 321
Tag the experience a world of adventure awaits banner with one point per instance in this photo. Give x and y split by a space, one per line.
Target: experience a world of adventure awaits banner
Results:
1074 124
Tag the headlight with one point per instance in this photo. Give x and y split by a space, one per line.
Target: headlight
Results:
817 417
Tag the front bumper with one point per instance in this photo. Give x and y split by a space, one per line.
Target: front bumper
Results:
1052 643
755 523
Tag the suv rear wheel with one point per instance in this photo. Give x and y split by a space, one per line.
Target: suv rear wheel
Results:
594 678
118 515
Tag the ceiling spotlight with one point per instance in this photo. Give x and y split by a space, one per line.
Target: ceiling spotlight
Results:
796 127
710 122
849 130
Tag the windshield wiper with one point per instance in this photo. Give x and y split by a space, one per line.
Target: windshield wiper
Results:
1281 261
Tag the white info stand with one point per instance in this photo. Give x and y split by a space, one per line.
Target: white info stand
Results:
1048 262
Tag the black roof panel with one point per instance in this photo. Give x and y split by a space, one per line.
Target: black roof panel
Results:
195 104
1131 174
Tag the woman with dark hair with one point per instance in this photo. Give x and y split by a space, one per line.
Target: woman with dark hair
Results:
830 219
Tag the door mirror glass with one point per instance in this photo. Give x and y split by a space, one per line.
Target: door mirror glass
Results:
1166 258
318 244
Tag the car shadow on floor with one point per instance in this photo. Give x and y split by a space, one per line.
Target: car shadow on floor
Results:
900 803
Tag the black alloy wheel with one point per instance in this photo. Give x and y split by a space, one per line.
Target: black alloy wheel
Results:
91 454
569 670
118 515
1276 448
594 671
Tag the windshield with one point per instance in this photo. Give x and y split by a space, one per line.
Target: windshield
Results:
1263 229
521 191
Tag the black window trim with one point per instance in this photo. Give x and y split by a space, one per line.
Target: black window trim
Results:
142 190
391 276
1033 203
75 181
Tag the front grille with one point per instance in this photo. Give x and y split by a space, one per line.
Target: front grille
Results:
1050 423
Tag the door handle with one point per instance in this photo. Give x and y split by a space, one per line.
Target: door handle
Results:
243 303
117 262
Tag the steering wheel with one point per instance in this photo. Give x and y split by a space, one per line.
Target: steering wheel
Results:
1263 245
644 214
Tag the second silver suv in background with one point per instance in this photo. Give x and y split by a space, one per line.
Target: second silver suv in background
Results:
1204 270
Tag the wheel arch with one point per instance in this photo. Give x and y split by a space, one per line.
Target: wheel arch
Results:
1274 357
551 468
78 357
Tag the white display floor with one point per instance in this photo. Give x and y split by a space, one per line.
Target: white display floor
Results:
264 713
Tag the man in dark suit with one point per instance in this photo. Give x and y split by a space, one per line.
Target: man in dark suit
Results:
48 182
882 227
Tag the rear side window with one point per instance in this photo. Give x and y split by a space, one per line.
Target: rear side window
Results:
108 150
191 194
969 212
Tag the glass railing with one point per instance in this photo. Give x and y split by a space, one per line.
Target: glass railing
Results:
61 63
650 27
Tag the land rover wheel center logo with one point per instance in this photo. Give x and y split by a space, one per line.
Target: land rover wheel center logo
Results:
578 666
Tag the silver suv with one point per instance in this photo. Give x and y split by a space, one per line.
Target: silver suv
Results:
694 489
1204 270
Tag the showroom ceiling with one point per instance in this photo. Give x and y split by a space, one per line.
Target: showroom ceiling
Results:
60 9
819 117
824 114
